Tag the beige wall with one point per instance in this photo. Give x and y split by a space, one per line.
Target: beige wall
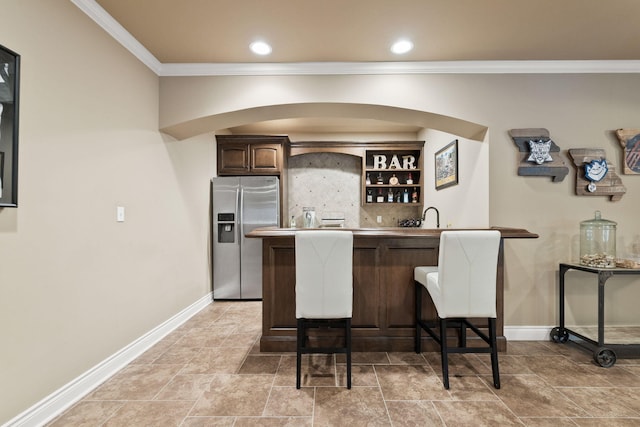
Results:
75 286
467 203
580 111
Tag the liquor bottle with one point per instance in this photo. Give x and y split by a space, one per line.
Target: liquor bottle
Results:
414 195
369 195
380 197
405 196
390 196
398 197
409 179
380 180
393 180
292 223
368 179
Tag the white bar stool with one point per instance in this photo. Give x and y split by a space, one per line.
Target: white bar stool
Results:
324 290
462 286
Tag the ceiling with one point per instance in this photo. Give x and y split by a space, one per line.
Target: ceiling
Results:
177 37
220 31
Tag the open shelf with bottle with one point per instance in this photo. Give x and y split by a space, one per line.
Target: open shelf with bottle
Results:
392 194
393 175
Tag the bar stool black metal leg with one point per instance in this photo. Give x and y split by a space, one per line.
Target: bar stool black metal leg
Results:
299 344
444 353
494 352
418 304
348 344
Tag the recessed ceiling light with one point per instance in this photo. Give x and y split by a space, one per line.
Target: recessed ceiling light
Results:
401 46
260 48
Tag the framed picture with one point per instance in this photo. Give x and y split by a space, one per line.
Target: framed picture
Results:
9 97
447 166
1 171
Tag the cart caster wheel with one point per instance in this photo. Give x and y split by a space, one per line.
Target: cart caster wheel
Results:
559 336
604 357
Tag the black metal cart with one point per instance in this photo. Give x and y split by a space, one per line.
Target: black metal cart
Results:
604 354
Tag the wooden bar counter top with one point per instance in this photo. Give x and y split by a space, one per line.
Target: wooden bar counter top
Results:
383 286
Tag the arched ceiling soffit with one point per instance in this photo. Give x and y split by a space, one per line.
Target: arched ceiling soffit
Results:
422 119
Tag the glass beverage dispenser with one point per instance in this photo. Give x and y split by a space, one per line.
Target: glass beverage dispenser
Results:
598 242
309 217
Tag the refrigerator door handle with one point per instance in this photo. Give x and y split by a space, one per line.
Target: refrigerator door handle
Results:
240 215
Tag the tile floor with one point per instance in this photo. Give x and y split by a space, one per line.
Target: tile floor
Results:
209 372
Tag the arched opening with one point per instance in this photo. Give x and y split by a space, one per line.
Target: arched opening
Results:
329 114
463 205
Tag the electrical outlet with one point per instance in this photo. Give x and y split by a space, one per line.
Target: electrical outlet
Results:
379 219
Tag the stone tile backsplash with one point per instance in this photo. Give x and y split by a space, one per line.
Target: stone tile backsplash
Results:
331 182
326 181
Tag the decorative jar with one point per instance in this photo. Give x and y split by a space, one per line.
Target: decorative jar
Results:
598 242
308 217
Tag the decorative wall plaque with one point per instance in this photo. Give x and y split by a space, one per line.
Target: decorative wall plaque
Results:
630 141
595 176
595 171
539 155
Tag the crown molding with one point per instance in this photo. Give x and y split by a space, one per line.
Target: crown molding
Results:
94 11
117 31
380 68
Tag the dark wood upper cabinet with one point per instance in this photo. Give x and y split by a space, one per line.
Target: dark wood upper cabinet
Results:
250 154
265 158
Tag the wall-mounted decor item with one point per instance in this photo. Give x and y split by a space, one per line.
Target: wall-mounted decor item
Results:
595 171
447 166
9 95
1 170
594 175
539 155
630 141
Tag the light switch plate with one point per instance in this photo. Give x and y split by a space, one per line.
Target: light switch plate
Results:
120 214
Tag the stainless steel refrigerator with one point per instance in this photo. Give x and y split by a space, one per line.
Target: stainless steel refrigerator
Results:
241 204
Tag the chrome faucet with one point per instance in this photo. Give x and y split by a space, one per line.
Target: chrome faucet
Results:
424 215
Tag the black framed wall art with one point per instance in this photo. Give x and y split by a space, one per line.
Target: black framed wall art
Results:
9 108
446 166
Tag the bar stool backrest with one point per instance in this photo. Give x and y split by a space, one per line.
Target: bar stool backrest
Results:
467 268
324 281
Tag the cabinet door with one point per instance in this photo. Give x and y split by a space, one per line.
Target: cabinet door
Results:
265 158
233 158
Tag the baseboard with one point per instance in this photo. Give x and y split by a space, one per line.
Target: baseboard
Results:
527 333
58 401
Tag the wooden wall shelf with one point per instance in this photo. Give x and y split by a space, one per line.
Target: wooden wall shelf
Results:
611 184
556 168
630 142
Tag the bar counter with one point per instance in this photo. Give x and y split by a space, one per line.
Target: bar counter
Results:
383 286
